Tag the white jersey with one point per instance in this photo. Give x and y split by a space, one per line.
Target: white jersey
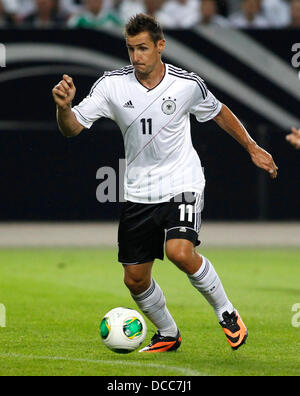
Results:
161 161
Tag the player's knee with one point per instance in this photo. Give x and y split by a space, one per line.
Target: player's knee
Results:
136 284
179 256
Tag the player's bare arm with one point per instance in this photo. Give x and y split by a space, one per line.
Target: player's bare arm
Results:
63 95
294 138
231 124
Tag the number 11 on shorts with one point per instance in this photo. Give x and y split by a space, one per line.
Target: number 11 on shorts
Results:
189 209
2 316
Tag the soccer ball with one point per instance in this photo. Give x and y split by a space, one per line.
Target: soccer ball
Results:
123 330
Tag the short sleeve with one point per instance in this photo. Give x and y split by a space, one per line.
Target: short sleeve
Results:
94 106
204 105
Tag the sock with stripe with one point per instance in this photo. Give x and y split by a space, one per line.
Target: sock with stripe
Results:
153 304
208 283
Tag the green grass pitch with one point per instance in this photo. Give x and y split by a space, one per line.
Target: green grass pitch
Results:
55 299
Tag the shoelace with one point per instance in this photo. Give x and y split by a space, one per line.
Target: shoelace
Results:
156 337
230 321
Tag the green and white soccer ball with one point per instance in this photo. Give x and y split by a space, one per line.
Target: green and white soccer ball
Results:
123 330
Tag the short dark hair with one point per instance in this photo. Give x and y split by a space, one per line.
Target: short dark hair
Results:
141 23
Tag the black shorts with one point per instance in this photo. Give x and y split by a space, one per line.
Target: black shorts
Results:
144 228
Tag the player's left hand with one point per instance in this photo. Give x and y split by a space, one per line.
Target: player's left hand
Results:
264 160
294 138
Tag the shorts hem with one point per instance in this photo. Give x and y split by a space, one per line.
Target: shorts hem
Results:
144 261
191 236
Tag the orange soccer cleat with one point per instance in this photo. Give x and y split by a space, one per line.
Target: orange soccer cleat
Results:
234 329
160 343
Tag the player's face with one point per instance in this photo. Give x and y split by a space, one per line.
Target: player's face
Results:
144 54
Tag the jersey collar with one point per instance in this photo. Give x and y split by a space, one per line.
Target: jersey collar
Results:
145 89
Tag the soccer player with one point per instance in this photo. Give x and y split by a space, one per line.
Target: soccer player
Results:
164 183
294 138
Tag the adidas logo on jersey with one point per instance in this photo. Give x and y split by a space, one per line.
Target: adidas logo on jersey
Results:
129 105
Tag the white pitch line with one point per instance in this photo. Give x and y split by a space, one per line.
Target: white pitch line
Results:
181 370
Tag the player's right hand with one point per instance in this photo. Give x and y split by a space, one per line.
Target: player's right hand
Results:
64 92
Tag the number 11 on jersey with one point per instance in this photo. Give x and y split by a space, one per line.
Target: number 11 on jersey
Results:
147 126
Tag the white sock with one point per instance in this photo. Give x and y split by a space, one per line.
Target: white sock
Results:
153 304
208 283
